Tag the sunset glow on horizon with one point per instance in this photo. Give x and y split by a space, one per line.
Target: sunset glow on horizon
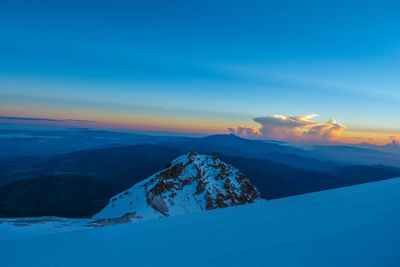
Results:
347 136
262 71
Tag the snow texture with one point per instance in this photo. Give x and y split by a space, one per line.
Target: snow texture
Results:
352 226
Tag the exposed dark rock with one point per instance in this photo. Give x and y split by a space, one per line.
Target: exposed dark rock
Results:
192 182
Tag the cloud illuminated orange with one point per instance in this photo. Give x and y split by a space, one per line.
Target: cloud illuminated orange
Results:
243 130
299 128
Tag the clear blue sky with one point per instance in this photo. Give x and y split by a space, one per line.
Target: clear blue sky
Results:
202 64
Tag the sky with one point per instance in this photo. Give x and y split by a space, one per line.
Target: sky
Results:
262 69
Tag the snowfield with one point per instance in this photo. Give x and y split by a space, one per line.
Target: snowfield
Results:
352 226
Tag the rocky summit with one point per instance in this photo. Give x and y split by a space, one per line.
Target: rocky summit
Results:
191 182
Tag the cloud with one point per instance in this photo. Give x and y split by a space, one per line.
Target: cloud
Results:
395 140
299 128
41 119
245 131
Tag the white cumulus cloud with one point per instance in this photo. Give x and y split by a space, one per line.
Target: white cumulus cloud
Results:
299 128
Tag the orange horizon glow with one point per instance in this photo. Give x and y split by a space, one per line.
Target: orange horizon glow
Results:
185 125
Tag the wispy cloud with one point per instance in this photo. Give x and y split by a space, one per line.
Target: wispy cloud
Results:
41 119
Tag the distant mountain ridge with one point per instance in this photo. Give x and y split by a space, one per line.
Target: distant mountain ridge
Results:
276 170
234 145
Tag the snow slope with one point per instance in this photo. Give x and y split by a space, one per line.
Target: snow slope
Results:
352 226
192 182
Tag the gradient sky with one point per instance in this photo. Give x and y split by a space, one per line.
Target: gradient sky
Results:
203 66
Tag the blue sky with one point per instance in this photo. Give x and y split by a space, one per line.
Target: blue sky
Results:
202 65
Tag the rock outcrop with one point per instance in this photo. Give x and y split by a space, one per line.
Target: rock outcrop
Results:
192 182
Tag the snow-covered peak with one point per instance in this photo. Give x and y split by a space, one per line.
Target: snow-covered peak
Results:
191 182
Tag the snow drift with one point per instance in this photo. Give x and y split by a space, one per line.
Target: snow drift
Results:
350 226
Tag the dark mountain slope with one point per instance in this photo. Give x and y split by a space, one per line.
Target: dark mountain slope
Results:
363 174
275 180
72 196
130 164
121 165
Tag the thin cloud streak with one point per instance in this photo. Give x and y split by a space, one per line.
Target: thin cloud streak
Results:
42 119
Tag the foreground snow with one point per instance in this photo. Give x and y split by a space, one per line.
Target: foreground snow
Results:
353 226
